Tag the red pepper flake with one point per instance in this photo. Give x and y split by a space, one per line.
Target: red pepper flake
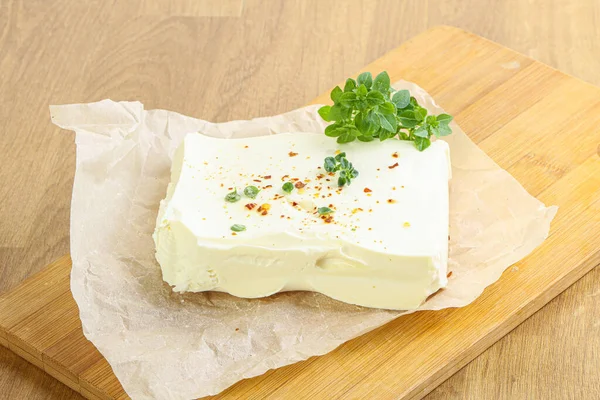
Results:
282 216
292 154
395 155
320 176
318 167
294 179
250 206
331 206
294 204
267 186
367 190
331 173
283 178
229 188
289 217
264 209
267 176
378 169
257 180
449 274
299 185
393 166
329 219
391 201
246 146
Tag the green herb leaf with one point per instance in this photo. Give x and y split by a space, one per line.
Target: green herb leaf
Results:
375 98
339 113
251 191
350 85
330 164
387 108
407 119
420 113
238 227
348 136
444 119
340 156
382 83
421 131
444 130
348 99
401 98
288 187
324 112
388 122
334 130
336 93
362 91
422 143
324 210
365 79
232 197
365 138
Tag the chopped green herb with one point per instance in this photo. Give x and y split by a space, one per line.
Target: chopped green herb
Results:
238 227
365 111
288 187
232 197
324 210
340 163
251 191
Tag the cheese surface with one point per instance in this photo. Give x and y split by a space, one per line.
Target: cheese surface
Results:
384 246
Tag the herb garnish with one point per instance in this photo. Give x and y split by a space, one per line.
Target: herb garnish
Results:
232 197
251 191
364 110
238 227
324 210
288 187
341 163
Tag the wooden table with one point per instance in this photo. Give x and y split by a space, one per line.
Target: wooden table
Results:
65 51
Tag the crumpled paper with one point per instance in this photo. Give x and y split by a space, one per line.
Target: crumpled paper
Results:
172 346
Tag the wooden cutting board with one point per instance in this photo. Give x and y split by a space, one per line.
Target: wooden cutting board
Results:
539 124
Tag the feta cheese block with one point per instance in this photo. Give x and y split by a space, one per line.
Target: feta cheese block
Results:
385 245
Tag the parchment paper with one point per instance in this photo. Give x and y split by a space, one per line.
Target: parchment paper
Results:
170 346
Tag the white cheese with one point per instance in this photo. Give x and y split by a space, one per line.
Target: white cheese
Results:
386 245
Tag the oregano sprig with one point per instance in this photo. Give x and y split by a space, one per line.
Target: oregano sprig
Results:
340 163
368 109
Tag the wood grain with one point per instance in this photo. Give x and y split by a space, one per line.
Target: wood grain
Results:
67 51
